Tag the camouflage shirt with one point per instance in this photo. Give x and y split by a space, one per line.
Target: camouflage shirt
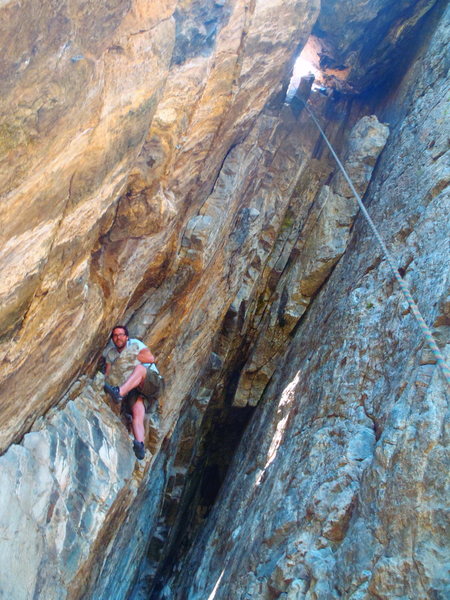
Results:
123 363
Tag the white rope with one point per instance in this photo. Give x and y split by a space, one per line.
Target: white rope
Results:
403 285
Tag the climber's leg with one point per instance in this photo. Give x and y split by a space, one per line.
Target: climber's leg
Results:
136 378
137 423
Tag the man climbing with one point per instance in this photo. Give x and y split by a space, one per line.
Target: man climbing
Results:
141 385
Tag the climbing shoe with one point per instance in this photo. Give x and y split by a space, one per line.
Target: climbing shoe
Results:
114 392
139 449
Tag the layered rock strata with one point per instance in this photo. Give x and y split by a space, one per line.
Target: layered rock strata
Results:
322 240
61 492
338 489
174 202
76 105
81 250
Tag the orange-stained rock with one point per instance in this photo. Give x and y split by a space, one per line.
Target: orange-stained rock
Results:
94 202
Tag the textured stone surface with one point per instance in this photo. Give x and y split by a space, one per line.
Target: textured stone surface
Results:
64 491
224 247
173 202
321 242
339 487
73 260
84 250
386 31
76 103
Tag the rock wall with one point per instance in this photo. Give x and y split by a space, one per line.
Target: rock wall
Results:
338 488
76 104
107 196
195 207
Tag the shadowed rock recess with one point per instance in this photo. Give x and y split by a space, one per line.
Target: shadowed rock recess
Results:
152 174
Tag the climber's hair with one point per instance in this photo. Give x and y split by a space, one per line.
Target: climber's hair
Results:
120 327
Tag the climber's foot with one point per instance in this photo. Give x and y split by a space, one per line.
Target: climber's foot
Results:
114 392
139 449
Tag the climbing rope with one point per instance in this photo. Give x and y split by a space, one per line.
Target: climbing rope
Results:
402 283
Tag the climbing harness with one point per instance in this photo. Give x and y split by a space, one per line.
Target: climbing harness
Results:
402 283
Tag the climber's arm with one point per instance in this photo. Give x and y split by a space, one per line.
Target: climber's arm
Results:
145 356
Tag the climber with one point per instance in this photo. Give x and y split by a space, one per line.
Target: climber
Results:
140 388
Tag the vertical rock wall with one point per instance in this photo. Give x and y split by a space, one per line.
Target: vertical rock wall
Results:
95 99
180 204
87 246
339 487
76 103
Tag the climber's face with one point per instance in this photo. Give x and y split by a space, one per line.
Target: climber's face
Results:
119 338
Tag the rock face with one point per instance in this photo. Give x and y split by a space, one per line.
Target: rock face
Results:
60 491
323 239
71 130
151 175
343 26
77 110
338 488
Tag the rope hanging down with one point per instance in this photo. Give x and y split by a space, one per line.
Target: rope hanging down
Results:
403 286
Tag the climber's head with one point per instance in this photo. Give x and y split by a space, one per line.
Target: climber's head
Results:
119 336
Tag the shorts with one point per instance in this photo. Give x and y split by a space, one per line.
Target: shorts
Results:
151 387
130 400
149 393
